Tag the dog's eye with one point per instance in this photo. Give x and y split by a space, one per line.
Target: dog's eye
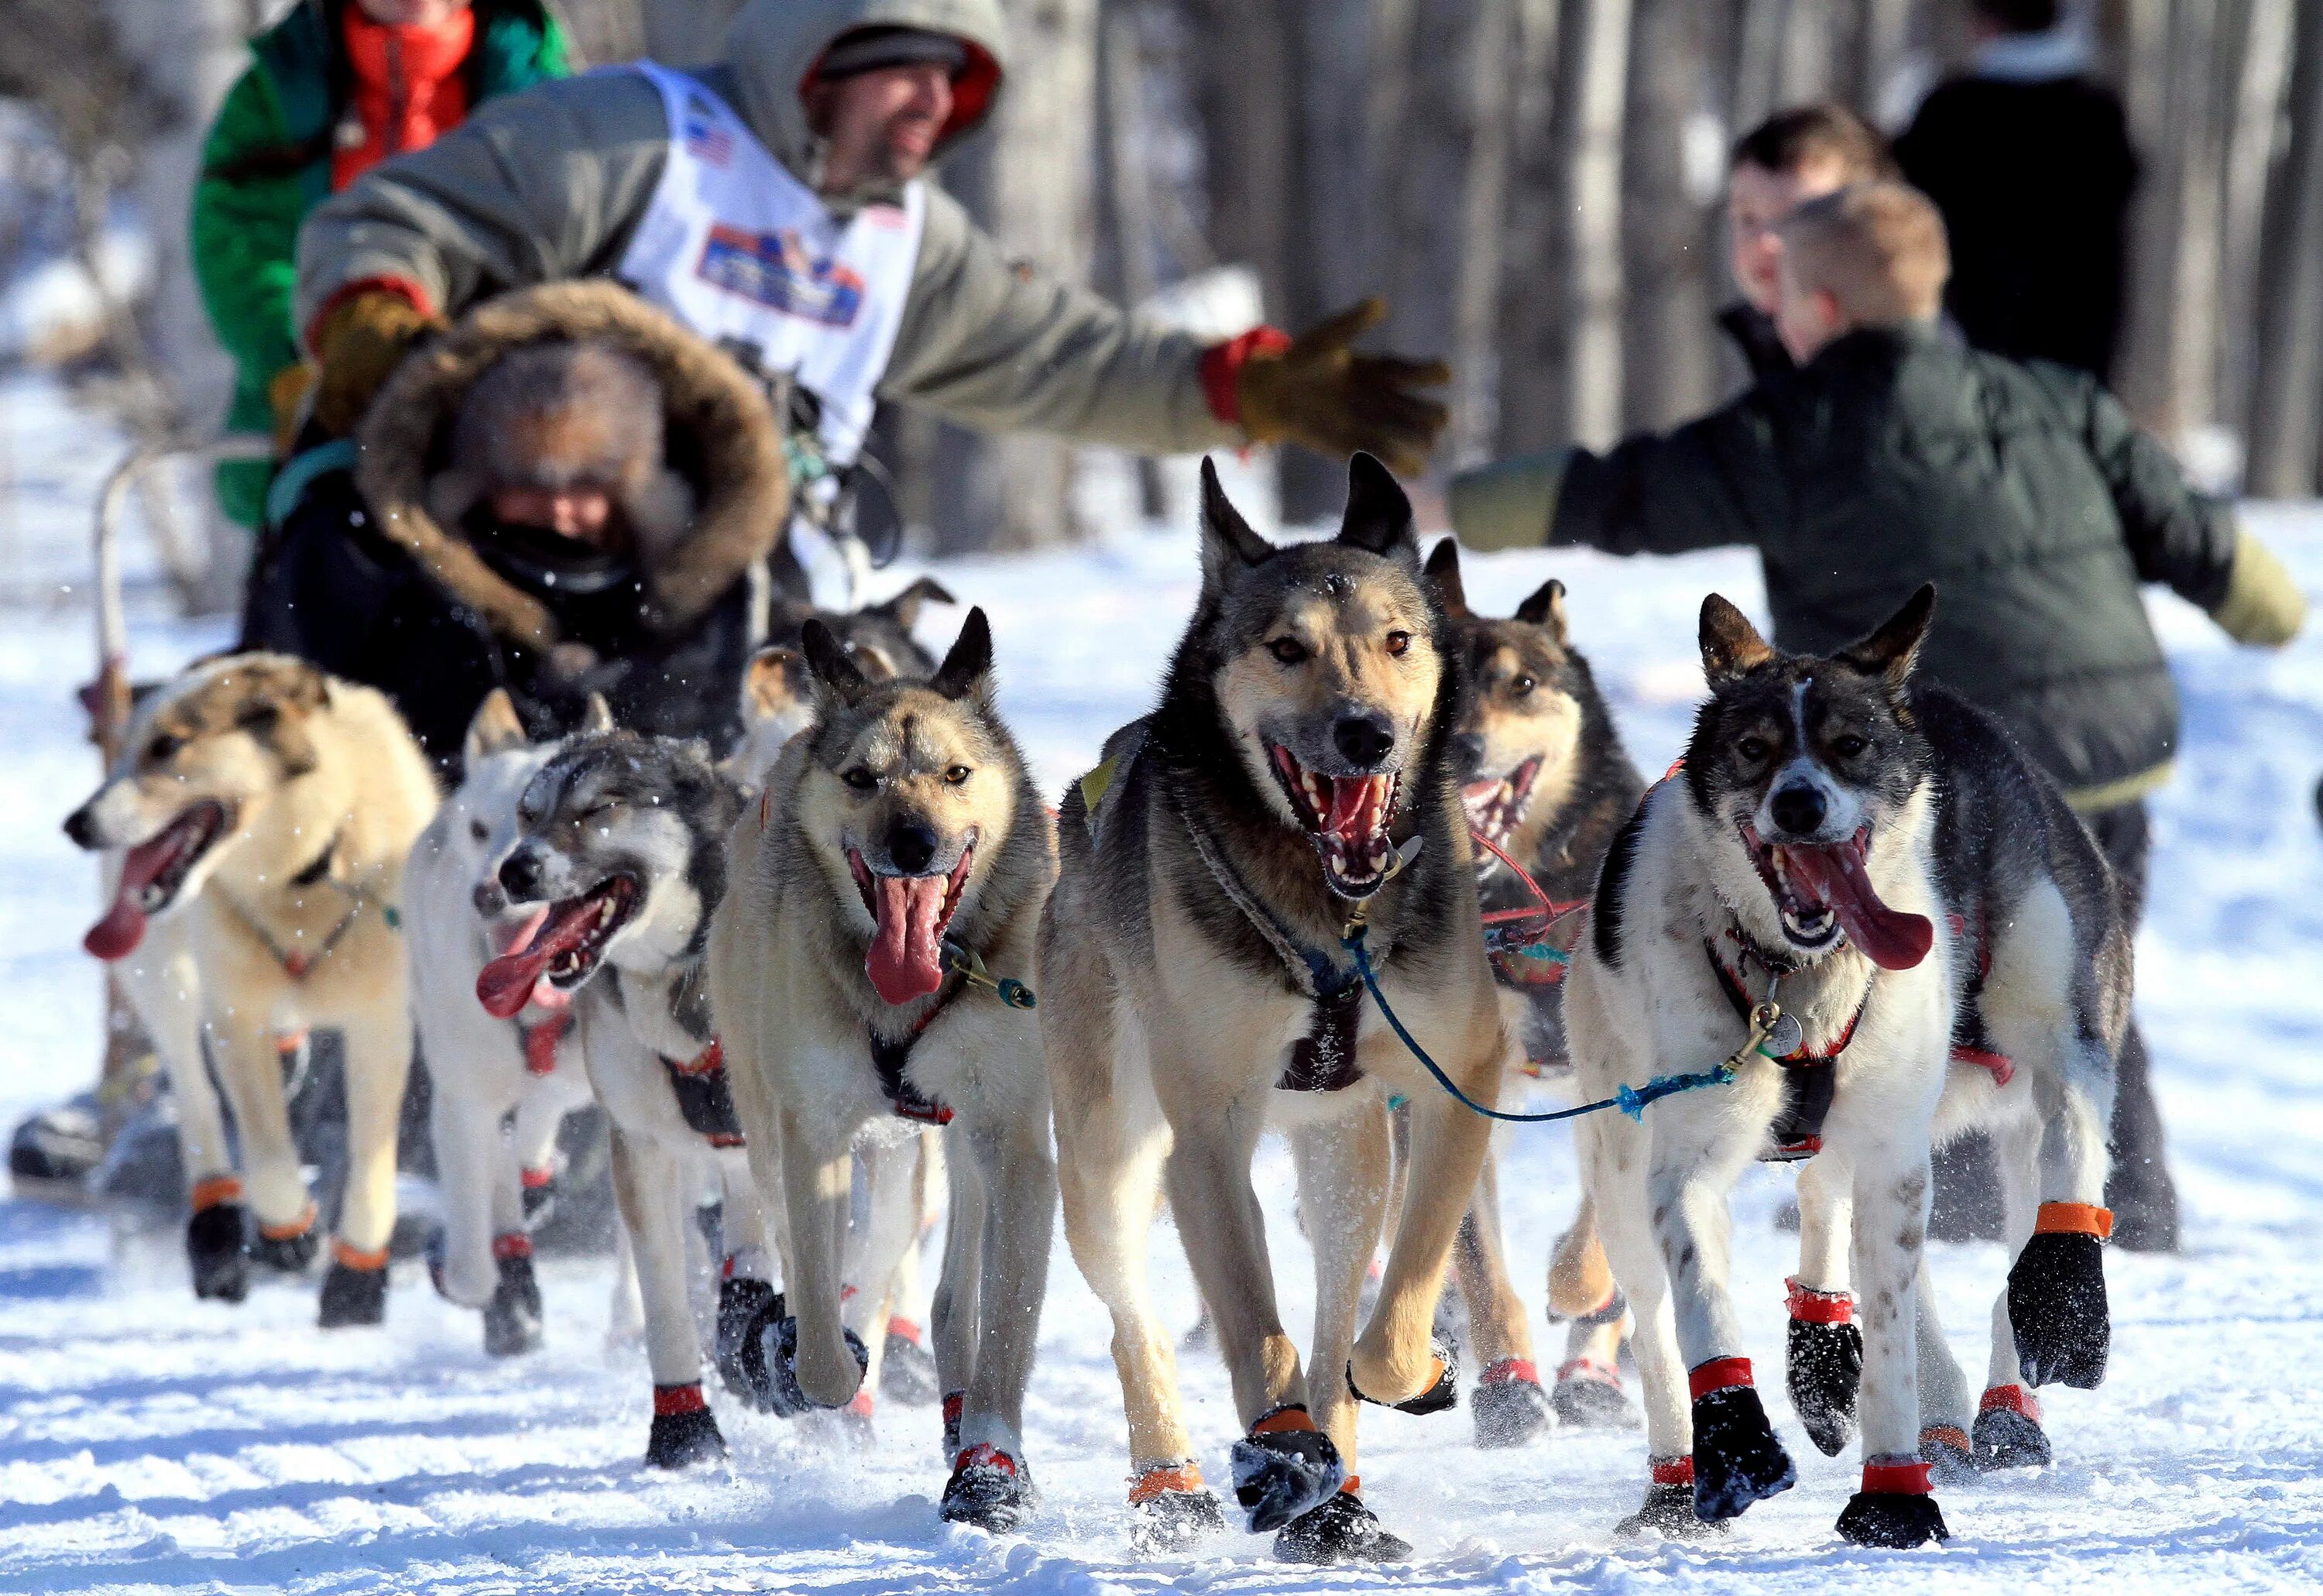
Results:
163 748
1288 650
1521 685
1847 744
479 830
1752 749
860 779
1399 642
956 774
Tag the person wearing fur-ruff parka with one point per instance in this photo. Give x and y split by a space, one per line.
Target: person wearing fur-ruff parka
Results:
565 493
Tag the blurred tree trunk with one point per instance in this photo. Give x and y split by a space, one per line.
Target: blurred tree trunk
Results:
2169 356
1599 48
2286 409
1534 391
1668 368
2264 73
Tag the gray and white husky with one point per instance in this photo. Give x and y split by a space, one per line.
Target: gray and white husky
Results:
1851 865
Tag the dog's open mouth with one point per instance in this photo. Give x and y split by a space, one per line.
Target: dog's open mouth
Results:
1496 808
563 948
1346 818
152 874
910 915
1823 890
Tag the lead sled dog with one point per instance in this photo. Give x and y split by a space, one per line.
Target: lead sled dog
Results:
1849 860
1196 993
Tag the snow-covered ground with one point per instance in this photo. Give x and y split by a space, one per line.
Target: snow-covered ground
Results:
148 1441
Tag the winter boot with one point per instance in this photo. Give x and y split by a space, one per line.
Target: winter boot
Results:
1825 1365
1284 1467
2057 1298
354 1287
1443 1393
1510 1407
2008 1434
778 1343
217 1241
1174 1511
1893 1508
907 1368
1342 1530
1736 1460
1668 1508
1588 1396
746 1307
989 1489
684 1432
512 1318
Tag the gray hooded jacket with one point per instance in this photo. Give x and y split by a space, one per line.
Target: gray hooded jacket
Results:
549 183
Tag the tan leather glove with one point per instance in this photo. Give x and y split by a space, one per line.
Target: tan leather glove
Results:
286 392
2263 604
359 345
1323 394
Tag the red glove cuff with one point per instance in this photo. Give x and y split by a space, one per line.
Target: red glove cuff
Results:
1222 364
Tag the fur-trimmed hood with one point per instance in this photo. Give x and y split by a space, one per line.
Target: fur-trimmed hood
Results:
722 431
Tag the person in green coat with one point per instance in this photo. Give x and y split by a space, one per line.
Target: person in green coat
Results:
1895 455
333 89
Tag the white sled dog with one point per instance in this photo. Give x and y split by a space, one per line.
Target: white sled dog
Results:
1815 884
265 811
898 853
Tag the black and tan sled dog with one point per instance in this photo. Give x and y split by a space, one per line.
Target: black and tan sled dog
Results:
1197 991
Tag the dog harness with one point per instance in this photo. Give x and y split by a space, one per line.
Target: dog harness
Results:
540 1042
703 1095
889 1057
1808 1078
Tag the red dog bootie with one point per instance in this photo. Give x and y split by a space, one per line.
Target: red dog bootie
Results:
1736 1460
2008 1432
989 1489
1512 1408
1825 1365
1174 1508
1668 1508
1284 1467
685 1432
1895 1508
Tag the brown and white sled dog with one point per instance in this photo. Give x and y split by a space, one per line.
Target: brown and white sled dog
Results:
898 846
266 811
1196 993
1836 829
1544 777
499 1088
622 838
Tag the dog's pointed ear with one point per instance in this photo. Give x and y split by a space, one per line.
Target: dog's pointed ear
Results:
1546 609
1444 572
904 607
494 729
967 670
1732 647
835 676
1893 650
773 682
1379 511
596 716
1228 544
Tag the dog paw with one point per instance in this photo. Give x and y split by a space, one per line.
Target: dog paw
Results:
1283 1468
512 1319
990 1490
216 1238
778 1350
1945 1449
1510 1407
1442 1392
2008 1438
290 1255
1893 1519
1737 1460
684 1434
1668 1511
1173 1511
1824 1367
1341 1530
2057 1306
1589 1397
907 1370
353 1297
745 1307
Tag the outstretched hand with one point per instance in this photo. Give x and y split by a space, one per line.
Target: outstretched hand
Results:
1321 393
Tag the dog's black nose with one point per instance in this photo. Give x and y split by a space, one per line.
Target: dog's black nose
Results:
1365 739
1799 810
80 828
520 873
912 845
1467 757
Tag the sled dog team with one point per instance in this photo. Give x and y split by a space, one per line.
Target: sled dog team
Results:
1331 886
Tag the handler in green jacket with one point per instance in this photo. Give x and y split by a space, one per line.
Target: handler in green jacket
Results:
1894 456
333 89
774 202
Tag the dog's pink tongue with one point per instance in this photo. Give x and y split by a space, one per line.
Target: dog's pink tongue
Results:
506 985
1888 938
117 935
545 993
1355 803
905 961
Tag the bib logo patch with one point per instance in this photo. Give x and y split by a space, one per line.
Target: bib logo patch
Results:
708 141
775 270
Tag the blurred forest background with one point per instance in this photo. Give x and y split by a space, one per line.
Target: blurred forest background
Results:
1535 184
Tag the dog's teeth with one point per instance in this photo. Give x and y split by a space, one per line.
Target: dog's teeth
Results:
1379 858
